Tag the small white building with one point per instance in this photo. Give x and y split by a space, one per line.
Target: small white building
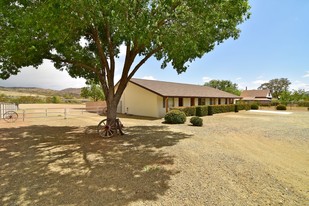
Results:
154 98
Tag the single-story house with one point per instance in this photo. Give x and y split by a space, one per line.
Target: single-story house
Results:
155 98
260 96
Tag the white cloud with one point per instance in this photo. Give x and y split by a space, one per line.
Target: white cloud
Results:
207 79
46 76
306 75
238 78
149 77
296 85
259 82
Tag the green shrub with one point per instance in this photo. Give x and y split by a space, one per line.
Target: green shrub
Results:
201 111
196 121
236 107
175 117
243 106
303 104
274 102
254 106
210 110
281 107
189 111
216 109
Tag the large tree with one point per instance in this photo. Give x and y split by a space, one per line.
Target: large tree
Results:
84 36
224 85
276 86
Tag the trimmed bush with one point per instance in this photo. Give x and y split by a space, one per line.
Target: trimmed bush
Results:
254 106
303 103
244 106
216 109
175 117
281 107
210 110
236 108
201 111
196 121
189 111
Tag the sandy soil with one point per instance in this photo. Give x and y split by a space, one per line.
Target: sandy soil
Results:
240 158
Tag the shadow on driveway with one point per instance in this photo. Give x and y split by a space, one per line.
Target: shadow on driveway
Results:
44 165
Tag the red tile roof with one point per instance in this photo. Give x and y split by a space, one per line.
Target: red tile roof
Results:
172 89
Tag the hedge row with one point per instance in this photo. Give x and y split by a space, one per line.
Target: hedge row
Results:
212 109
303 104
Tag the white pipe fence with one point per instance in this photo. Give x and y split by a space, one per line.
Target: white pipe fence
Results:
57 112
5 107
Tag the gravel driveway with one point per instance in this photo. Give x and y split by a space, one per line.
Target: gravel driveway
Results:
240 158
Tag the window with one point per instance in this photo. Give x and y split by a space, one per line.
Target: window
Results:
201 101
180 102
170 102
193 101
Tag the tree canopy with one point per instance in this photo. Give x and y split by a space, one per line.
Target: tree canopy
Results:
224 85
84 36
276 86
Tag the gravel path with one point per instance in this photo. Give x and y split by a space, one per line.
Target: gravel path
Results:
234 159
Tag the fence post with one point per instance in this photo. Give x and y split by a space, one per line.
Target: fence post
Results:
45 112
65 113
24 114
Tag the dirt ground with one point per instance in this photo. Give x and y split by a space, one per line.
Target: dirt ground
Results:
243 158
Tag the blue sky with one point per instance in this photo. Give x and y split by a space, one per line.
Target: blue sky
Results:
274 43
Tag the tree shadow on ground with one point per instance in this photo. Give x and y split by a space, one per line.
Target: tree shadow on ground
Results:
43 165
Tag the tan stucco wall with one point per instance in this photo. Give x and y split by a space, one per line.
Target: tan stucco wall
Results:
138 101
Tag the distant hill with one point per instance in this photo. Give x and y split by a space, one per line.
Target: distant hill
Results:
31 91
71 91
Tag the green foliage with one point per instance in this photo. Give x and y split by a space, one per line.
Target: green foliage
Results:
236 108
254 106
276 86
27 100
84 37
175 117
303 104
93 91
196 121
244 106
224 85
281 107
216 109
285 97
56 99
201 111
189 111
210 110
3 98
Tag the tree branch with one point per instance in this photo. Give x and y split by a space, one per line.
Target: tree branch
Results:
143 61
76 63
102 56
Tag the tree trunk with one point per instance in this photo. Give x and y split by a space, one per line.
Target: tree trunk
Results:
111 109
